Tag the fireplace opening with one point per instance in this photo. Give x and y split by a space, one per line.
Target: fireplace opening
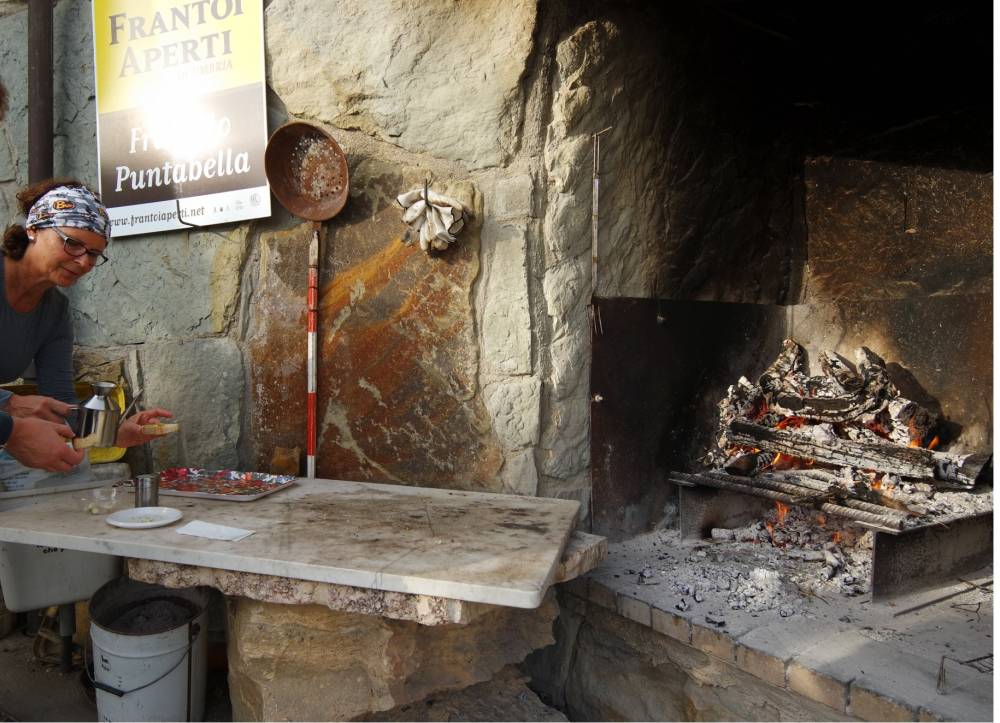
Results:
853 211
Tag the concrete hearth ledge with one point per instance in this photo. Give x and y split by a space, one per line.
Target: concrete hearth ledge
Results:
473 546
860 658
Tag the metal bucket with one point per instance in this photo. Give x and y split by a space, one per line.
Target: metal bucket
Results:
150 646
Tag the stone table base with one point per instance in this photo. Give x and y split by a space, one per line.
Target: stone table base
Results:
423 609
307 662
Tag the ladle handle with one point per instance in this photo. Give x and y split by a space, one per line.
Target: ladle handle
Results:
312 304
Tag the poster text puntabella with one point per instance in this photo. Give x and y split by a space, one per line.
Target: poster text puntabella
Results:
224 163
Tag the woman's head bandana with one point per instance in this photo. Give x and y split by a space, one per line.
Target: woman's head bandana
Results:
70 206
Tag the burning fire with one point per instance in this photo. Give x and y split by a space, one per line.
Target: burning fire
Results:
793 422
821 519
879 484
878 429
782 512
836 537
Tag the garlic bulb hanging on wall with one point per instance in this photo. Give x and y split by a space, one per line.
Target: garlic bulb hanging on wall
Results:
433 219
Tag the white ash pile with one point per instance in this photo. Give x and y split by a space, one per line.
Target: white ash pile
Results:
836 554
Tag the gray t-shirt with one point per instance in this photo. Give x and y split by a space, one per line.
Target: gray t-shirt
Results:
43 335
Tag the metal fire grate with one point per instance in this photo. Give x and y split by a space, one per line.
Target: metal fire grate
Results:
902 561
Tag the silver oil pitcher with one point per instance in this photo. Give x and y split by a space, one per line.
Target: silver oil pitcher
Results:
97 418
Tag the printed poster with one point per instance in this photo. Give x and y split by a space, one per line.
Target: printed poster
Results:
181 119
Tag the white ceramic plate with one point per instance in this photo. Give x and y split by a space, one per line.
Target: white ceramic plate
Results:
136 518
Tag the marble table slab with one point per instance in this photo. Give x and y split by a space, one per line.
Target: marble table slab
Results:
472 546
583 553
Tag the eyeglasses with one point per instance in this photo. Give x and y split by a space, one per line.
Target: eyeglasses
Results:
78 248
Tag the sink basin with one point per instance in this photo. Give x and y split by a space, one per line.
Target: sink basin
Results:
34 577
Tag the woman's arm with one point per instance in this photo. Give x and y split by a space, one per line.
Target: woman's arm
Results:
54 358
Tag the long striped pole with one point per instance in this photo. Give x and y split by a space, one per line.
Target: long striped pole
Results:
312 302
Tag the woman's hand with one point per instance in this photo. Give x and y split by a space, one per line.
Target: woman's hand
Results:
39 407
42 445
130 433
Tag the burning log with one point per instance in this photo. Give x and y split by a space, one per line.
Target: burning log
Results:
746 485
809 479
912 462
841 395
849 381
790 362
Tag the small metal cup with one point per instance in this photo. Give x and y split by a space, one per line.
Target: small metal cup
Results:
147 490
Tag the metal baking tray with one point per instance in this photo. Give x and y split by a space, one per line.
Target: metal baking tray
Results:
221 484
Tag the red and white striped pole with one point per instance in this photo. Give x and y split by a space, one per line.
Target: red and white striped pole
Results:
312 302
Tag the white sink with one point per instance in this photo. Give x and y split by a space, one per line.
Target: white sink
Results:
33 576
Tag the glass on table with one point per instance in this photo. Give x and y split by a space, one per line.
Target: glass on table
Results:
102 499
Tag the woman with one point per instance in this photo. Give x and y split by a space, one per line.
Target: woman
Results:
64 237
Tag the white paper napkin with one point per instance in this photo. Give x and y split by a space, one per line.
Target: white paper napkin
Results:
197 528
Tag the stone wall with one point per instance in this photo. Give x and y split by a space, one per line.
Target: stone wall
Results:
465 369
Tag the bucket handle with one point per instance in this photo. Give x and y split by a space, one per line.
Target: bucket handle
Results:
193 629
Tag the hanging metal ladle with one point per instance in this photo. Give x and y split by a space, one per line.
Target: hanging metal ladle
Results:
307 171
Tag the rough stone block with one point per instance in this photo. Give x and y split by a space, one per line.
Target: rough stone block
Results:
712 642
673 626
576 587
764 666
867 705
506 318
600 594
513 198
201 382
515 406
583 553
386 76
767 649
305 662
565 441
397 361
177 285
519 475
635 610
506 697
623 671
817 686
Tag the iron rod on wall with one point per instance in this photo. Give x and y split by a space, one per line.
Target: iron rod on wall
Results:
40 125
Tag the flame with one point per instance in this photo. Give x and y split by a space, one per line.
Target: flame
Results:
934 442
878 429
770 529
914 443
876 484
787 461
836 537
782 512
821 519
759 411
793 422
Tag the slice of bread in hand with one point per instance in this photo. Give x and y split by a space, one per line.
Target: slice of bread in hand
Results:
160 428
